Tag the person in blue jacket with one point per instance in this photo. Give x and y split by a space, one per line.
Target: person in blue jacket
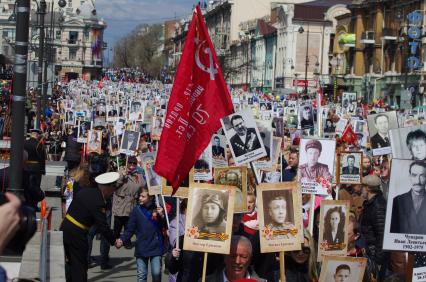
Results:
147 221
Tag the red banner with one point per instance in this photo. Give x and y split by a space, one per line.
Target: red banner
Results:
198 101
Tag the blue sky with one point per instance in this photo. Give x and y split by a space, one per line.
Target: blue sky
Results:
122 16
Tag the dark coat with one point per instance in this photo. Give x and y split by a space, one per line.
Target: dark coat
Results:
218 151
355 170
36 162
372 226
404 217
241 148
340 237
72 150
150 241
378 142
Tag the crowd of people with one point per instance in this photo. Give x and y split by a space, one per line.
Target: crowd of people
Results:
126 111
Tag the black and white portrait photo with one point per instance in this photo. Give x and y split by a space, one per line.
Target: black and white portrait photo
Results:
350 164
406 206
114 145
153 180
334 217
94 144
148 113
409 143
203 166
280 219
378 127
130 142
83 131
329 126
69 117
316 165
306 116
343 269
209 218
135 112
218 151
265 130
243 136
347 99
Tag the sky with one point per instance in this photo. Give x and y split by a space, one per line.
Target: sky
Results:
122 16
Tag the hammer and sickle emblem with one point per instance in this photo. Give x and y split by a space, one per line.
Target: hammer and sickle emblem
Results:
210 69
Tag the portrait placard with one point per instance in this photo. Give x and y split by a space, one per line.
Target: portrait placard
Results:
208 226
316 165
153 180
280 218
94 141
157 128
148 113
419 274
218 151
378 128
114 145
242 134
135 110
203 167
237 177
348 269
265 130
130 142
350 167
408 143
333 235
183 190
83 130
306 116
405 227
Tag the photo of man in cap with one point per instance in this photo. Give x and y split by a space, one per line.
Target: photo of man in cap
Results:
211 216
312 170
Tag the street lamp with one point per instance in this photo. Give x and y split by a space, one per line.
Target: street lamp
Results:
301 30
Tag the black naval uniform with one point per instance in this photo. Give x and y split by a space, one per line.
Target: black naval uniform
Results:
34 168
86 209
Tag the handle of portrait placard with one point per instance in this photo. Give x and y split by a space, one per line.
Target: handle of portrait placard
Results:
253 168
177 222
311 215
337 191
203 277
282 267
165 212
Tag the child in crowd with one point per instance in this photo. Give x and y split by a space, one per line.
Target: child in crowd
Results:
250 222
147 221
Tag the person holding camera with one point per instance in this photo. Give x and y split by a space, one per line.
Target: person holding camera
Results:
86 210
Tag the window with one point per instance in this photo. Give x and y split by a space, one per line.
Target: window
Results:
73 36
72 53
8 33
70 3
58 34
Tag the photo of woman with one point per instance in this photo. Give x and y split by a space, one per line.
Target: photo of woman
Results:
334 224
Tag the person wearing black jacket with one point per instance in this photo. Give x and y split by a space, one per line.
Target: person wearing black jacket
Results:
86 209
72 150
372 221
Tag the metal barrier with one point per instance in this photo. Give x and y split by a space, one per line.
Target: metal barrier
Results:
46 218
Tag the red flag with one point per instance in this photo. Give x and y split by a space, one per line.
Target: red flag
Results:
349 136
198 101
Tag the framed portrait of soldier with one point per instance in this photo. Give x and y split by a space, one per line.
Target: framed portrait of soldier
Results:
157 127
69 117
148 113
409 143
350 166
130 142
316 165
183 190
405 226
135 110
237 177
218 151
339 269
94 141
203 167
83 130
378 128
208 226
265 130
153 180
114 145
306 116
243 137
333 235
280 218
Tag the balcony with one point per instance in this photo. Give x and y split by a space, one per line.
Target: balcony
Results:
389 34
368 37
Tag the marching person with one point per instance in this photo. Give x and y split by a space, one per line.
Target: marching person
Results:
87 209
35 167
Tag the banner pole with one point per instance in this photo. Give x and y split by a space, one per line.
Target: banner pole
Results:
203 277
177 222
282 267
165 212
311 215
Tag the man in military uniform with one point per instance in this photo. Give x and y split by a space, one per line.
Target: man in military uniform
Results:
34 168
310 171
277 210
87 209
245 140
